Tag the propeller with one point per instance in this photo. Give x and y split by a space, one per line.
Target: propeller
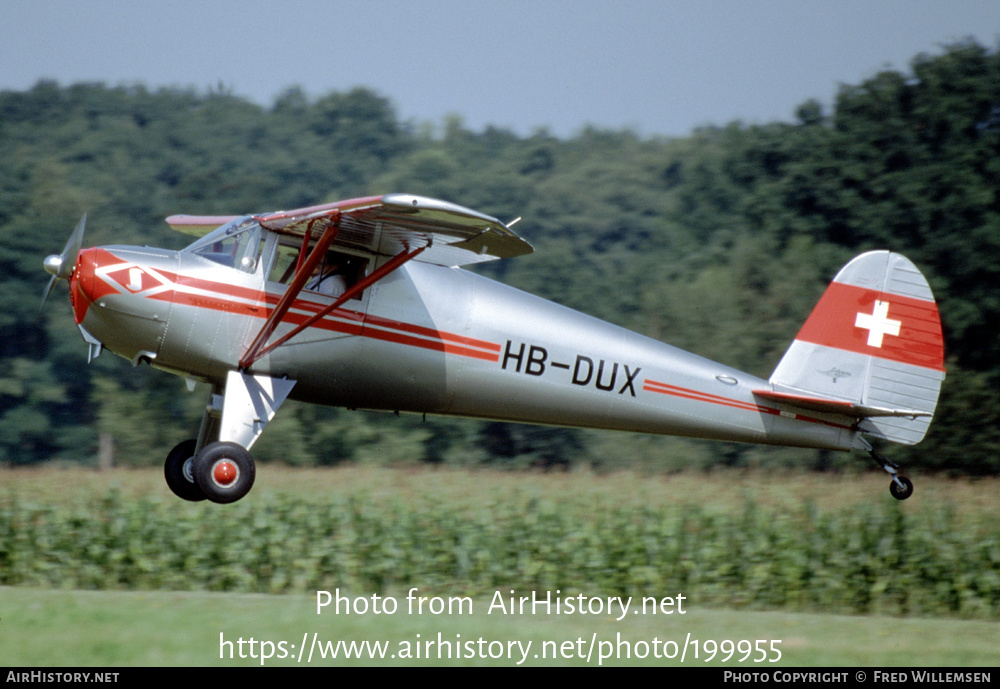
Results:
60 266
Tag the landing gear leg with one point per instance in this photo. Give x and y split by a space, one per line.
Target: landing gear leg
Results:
204 468
218 465
900 487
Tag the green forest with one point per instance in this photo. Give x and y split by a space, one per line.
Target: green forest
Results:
719 242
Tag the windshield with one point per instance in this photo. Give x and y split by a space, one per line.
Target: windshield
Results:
236 244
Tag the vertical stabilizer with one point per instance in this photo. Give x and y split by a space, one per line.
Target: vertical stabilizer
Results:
873 341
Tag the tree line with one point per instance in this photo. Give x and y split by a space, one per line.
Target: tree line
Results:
719 242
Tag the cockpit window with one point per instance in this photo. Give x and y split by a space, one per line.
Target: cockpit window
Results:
335 274
236 244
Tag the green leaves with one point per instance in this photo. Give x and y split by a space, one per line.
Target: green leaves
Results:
877 559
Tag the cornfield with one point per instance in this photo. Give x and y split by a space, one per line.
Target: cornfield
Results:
872 559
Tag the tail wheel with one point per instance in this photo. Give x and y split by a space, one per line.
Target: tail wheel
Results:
901 492
178 472
224 471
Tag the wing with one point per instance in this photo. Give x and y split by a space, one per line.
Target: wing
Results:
389 225
198 225
396 223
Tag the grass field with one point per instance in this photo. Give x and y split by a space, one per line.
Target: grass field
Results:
128 628
49 627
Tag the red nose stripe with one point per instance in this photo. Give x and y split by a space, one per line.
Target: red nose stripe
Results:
84 287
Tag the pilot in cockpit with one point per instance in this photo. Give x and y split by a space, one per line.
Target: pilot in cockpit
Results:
329 278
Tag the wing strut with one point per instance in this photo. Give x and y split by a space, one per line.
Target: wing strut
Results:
258 350
302 274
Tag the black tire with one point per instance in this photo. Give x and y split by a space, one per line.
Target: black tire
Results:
904 492
224 471
179 480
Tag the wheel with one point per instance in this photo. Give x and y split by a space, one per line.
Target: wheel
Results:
224 471
177 471
904 492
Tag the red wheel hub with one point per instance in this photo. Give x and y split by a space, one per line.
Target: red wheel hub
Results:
224 472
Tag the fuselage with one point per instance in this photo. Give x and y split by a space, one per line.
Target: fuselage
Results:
428 339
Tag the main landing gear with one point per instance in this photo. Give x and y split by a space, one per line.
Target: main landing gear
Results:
900 487
217 465
223 472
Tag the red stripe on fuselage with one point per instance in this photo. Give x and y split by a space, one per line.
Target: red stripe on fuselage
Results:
441 345
378 321
250 302
698 396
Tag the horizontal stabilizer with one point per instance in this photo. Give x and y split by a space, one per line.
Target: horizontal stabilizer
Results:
829 406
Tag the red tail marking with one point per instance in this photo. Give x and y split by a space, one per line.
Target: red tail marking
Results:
867 321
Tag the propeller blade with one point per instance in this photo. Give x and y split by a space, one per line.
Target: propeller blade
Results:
48 289
62 265
72 249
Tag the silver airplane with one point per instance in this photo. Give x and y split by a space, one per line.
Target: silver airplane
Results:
362 304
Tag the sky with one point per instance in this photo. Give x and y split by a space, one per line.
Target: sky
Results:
657 67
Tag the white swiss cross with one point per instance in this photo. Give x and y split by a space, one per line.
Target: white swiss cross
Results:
878 324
